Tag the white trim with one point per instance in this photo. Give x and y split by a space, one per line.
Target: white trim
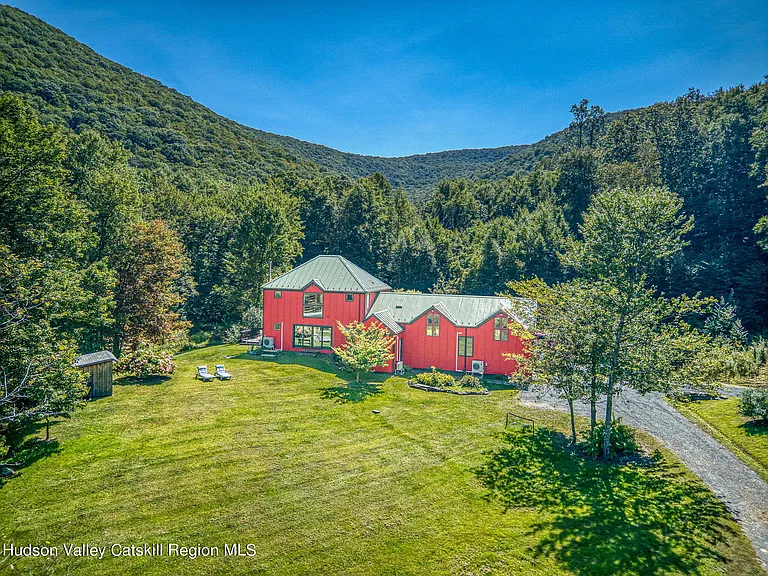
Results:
457 349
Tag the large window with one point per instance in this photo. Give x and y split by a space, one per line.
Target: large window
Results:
313 305
306 336
501 329
433 324
466 346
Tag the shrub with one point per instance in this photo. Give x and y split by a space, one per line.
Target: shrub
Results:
231 335
469 381
436 379
754 404
146 362
622 440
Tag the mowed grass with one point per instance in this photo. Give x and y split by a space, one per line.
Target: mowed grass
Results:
290 457
745 437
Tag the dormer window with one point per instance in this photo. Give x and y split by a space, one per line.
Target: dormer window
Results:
313 305
433 324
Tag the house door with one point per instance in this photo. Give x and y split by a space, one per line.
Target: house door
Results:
466 348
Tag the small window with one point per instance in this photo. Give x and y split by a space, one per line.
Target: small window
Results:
466 346
501 329
433 324
277 326
278 294
313 305
350 297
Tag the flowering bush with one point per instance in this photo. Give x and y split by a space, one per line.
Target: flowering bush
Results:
145 362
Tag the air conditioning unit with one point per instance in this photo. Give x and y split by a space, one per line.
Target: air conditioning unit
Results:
268 343
399 368
478 367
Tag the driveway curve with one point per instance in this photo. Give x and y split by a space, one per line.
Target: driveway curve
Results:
738 486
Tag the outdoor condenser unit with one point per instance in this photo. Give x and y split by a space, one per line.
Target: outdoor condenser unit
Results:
268 342
478 367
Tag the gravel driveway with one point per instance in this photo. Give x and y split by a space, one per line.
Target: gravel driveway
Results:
739 487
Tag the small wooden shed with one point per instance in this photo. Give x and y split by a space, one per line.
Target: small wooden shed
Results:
99 366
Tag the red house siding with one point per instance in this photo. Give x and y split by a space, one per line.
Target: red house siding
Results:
422 351
287 311
418 349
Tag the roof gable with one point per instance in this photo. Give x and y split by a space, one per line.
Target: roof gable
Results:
330 274
461 310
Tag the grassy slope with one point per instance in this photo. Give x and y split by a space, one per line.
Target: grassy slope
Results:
286 456
721 418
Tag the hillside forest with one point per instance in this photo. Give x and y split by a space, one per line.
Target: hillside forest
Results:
135 218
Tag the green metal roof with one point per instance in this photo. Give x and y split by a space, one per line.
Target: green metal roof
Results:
462 310
331 274
386 318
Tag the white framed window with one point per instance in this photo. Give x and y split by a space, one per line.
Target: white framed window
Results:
313 305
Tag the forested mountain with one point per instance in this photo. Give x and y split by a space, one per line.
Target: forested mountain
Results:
237 198
139 220
69 83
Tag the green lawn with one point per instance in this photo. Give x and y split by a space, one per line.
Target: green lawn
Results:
721 418
291 458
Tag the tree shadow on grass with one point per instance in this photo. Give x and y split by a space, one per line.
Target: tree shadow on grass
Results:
351 392
148 381
755 428
632 518
26 453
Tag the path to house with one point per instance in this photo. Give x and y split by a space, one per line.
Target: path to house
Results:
739 487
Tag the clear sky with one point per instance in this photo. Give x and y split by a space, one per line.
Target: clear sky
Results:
415 77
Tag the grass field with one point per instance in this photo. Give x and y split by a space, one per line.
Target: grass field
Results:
721 418
291 458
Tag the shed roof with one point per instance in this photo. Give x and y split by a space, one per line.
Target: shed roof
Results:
331 274
462 310
94 358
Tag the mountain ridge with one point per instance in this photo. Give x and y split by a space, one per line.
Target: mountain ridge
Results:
70 83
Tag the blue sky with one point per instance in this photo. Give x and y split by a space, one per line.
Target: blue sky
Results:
414 77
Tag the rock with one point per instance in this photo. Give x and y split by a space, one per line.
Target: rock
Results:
377 412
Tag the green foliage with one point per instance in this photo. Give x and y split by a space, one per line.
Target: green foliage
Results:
724 324
754 404
470 381
436 379
587 125
365 347
623 441
149 267
268 235
146 361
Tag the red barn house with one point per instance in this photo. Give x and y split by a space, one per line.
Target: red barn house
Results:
448 331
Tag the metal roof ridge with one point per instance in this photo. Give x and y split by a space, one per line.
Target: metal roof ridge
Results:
291 270
345 262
